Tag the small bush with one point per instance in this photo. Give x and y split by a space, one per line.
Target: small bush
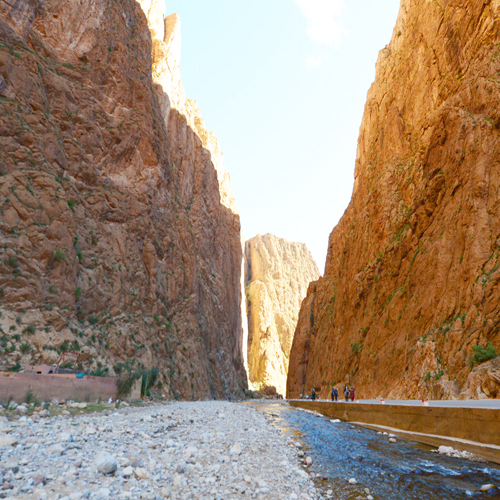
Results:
31 329
148 380
78 292
127 376
24 348
93 320
482 354
60 255
100 371
15 368
12 261
356 347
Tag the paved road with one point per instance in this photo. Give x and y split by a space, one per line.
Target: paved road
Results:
483 403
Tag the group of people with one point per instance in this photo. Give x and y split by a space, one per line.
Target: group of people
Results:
348 393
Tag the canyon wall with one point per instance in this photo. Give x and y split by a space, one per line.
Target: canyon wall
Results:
411 284
277 274
118 230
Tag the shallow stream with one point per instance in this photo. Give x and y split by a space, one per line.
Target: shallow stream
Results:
391 471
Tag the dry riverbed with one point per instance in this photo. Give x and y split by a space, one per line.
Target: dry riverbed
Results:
176 450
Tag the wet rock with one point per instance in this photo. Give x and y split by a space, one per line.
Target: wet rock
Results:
487 487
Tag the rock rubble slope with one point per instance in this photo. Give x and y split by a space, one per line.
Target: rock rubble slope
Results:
413 267
277 274
119 236
179 451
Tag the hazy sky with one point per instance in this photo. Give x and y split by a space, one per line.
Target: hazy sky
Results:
282 84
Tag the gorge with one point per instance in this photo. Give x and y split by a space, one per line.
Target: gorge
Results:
120 237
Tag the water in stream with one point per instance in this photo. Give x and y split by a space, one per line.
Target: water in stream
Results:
391 471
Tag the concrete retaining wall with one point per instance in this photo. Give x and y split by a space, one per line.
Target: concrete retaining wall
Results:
473 429
48 387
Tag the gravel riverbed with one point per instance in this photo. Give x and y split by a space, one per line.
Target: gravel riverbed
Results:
196 450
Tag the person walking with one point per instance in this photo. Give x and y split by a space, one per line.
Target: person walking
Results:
352 394
347 393
313 394
335 393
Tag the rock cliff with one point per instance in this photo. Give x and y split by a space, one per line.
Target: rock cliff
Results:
412 277
277 274
119 233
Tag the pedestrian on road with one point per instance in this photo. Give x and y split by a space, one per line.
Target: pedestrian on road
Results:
347 393
352 394
313 394
335 394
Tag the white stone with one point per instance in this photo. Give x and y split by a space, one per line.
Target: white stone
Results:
487 487
141 473
128 471
236 449
7 440
106 463
352 481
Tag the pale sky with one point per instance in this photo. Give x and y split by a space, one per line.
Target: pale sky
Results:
282 84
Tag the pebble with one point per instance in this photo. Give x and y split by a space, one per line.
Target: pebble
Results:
141 473
177 450
487 487
352 481
392 440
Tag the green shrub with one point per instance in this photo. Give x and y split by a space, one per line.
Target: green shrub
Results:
12 261
59 255
482 354
31 329
356 347
128 373
24 348
93 320
78 292
148 380
100 371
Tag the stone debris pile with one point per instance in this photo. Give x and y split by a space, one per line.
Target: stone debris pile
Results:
193 450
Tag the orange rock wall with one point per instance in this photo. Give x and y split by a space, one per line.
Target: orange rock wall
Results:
117 237
413 267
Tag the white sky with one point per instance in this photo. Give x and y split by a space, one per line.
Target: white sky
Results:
282 84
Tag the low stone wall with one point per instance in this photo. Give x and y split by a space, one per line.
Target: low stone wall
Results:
48 387
473 429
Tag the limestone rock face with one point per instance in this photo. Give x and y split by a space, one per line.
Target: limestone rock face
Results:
278 273
413 269
119 233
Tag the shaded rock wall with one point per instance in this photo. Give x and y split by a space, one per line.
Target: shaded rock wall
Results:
413 267
119 234
278 273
